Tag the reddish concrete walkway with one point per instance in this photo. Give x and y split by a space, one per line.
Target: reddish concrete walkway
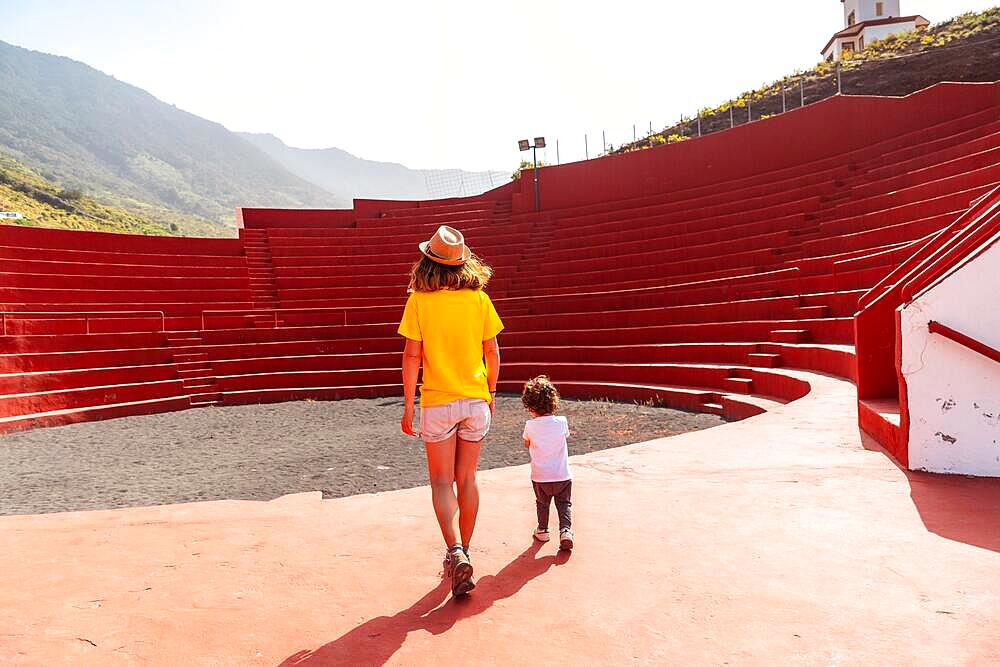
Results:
780 538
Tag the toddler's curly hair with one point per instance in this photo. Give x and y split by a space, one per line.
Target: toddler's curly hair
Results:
540 396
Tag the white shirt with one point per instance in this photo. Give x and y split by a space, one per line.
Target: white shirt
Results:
546 438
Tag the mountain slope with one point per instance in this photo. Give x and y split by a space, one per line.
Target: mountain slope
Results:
44 204
338 171
86 130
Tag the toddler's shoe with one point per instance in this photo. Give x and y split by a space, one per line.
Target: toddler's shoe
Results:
541 534
566 539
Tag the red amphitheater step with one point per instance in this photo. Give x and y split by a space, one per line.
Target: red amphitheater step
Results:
762 360
191 356
192 373
812 312
757 293
738 385
92 413
713 408
199 382
790 336
202 400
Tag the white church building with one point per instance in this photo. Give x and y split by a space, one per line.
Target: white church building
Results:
866 21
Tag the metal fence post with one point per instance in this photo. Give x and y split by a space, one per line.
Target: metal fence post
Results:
838 78
557 152
749 115
604 139
699 122
784 104
732 122
586 149
802 92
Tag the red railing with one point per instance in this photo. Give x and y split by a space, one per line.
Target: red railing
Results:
960 338
86 315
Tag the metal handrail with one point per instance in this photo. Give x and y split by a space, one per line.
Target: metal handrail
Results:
86 314
967 341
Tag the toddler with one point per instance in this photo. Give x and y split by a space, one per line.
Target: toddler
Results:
545 439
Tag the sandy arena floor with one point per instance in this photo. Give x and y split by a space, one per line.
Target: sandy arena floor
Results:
261 452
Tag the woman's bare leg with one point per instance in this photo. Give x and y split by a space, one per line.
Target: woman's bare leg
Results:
466 462
441 470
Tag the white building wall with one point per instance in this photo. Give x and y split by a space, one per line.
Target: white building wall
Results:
953 392
864 10
852 6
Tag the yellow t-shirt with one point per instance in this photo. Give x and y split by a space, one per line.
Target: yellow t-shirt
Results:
452 325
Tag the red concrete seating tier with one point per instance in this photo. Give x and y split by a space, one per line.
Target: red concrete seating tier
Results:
883 153
696 287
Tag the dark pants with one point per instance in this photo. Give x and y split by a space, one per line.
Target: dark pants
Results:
544 493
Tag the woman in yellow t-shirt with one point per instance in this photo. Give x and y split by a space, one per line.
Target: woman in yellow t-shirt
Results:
451 329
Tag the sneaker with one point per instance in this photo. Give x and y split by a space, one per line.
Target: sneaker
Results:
460 571
447 566
566 539
541 534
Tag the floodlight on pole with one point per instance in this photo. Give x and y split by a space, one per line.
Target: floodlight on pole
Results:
524 145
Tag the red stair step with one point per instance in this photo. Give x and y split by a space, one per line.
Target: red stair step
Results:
790 336
738 385
812 312
762 360
193 356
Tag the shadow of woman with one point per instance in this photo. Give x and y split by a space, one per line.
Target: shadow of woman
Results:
375 641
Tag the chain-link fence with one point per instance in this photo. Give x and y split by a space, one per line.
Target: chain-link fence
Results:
444 183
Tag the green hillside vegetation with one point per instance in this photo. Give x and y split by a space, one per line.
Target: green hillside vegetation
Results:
123 147
44 204
964 48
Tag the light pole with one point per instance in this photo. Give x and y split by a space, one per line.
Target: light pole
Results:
524 145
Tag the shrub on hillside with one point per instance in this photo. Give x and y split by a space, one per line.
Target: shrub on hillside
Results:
70 194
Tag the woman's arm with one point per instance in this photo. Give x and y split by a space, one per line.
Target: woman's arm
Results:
491 353
412 354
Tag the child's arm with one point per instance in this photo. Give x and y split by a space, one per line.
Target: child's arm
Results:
527 443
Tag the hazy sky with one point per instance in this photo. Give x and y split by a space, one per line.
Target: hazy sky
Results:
440 83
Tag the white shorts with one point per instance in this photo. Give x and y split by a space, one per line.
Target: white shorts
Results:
468 417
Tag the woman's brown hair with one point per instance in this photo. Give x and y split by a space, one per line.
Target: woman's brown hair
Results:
430 276
540 396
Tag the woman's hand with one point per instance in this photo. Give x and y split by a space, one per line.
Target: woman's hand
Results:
406 423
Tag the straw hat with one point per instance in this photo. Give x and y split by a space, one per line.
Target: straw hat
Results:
447 246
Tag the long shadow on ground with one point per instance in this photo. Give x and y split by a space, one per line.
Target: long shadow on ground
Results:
375 641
